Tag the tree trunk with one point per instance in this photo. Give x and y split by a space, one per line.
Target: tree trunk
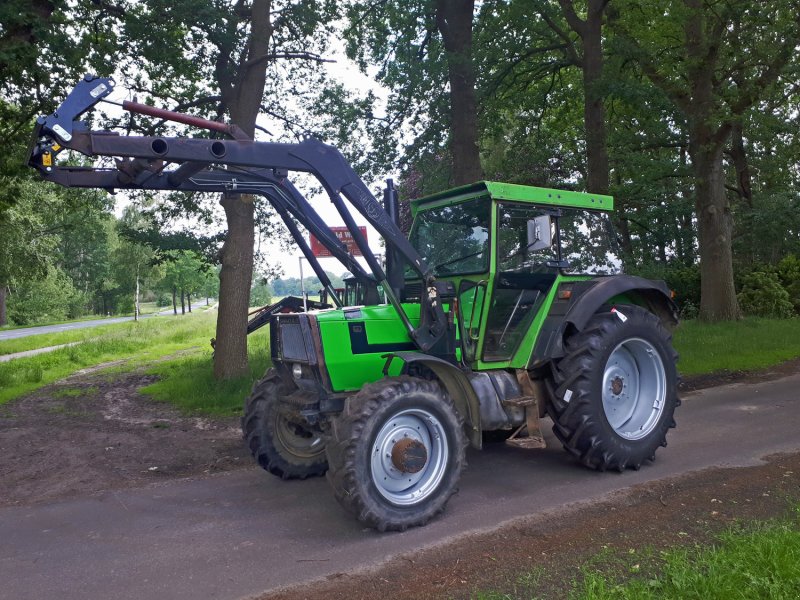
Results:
243 97
454 21
183 303
594 110
623 230
3 315
741 164
189 301
685 242
230 355
623 227
174 301
590 61
715 226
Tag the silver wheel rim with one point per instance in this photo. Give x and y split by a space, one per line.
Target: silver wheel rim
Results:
404 488
307 444
634 389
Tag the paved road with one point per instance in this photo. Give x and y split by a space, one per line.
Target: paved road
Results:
245 532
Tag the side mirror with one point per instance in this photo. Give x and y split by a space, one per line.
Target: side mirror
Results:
539 233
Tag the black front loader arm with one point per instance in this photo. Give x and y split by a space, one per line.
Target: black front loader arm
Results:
248 165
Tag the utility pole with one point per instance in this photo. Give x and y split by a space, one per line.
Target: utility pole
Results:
303 285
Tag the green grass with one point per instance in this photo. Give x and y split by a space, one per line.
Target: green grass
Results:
136 343
756 560
744 345
188 382
145 308
761 560
45 340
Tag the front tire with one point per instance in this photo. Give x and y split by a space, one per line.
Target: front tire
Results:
396 453
614 394
282 445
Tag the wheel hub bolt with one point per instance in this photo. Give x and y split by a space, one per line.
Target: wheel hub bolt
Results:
409 455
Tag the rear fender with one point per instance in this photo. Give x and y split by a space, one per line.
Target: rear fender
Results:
587 298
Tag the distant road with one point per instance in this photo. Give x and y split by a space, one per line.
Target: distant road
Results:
19 333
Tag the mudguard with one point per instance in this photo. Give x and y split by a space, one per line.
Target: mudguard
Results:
586 298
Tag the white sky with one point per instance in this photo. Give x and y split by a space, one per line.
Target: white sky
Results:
345 71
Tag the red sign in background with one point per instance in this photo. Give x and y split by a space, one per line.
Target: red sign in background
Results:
344 236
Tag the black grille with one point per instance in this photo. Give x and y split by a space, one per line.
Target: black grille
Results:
412 291
292 341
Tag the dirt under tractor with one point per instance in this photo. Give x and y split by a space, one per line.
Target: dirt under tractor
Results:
475 328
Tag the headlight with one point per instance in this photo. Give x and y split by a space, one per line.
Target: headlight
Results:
297 370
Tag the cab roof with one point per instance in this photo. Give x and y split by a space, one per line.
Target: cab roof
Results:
518 193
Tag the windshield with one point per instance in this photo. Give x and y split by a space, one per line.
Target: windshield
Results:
453 240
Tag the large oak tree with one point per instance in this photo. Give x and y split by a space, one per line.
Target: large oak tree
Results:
715 61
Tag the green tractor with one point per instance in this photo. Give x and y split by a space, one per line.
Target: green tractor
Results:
351 395
475 328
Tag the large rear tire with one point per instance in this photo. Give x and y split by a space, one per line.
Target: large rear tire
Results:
282 445
614 394
396 453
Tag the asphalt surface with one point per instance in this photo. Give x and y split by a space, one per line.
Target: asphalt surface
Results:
245 532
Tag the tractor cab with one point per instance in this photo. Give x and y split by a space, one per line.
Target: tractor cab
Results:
501 247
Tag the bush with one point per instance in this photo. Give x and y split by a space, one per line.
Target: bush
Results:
260 293
163 299
763 295
78 305
683 279
793 290
124 304
789 273
788 269
52 298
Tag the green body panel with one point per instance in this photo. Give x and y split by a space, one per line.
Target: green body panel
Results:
349 367
348 370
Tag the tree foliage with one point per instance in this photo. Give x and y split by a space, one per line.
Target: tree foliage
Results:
697 100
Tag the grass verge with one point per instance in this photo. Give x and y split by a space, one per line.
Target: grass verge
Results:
745 345
136 343
753 560
760 560
188 382
45 340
